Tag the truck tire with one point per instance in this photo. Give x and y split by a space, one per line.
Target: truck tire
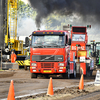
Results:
33 75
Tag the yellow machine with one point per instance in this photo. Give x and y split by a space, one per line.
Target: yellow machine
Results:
11 39
27 63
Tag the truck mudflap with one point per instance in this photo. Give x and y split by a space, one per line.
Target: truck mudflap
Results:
83 68
48 71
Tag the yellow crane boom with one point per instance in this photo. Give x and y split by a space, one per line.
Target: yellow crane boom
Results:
11 20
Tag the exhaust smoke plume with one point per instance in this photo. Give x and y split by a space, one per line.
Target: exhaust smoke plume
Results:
27 26
89 10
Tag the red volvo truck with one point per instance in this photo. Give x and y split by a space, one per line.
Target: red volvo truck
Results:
79 53
49 53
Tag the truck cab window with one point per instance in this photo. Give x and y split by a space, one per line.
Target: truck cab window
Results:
78 37
48 40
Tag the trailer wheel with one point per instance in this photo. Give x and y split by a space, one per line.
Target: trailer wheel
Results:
33 75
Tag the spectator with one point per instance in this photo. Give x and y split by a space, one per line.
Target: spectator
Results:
13 57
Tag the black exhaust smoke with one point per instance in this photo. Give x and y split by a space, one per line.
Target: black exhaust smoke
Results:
86 8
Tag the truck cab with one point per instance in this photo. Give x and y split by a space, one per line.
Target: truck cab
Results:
49 52
79 52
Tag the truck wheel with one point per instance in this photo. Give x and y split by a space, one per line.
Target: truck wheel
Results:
33 75
25 67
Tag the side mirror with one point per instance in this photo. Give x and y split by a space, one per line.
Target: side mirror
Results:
66 39
26 41
69 41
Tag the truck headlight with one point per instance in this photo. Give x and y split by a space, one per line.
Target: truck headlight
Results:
33 64
33 67
61 64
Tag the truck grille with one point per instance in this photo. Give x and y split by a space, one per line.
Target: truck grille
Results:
47 65
49 58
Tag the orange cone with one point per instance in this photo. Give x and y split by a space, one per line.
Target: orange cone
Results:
50 88
11 94
81 84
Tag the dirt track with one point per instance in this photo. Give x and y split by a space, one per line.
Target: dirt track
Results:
23 84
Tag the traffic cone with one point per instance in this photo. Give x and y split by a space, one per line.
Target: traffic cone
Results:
97 79
81 84
11 94
50 88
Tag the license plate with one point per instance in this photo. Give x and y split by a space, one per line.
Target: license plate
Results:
47 71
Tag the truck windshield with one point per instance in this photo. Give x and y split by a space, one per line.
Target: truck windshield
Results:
45 41
78 37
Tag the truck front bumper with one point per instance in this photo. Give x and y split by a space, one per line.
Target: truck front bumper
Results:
48 71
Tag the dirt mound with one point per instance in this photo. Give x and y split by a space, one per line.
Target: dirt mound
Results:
73 91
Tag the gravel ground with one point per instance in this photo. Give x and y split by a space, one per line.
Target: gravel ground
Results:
24 85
